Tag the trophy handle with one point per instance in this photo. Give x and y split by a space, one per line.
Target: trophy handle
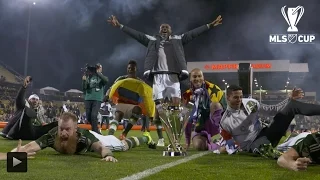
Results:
300 14
285 15
185 122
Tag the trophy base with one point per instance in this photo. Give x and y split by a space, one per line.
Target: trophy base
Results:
172 153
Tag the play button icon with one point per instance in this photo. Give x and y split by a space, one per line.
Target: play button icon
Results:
16 162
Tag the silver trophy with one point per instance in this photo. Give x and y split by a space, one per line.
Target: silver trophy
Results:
293 17
174 120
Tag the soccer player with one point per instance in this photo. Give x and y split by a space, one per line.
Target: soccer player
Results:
115 144
67 138
302 153
27 121
291 141
129 110
240 120
125 109
209 101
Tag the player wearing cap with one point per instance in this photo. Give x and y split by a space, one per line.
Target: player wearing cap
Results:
27 121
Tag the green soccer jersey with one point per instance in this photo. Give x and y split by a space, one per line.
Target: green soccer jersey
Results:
85 140
309 147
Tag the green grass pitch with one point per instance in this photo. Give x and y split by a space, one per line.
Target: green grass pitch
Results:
50 165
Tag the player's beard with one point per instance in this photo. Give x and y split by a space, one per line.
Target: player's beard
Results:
66 146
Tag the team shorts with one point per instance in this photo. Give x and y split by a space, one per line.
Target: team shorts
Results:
166 86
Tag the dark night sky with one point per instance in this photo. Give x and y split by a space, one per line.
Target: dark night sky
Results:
67 34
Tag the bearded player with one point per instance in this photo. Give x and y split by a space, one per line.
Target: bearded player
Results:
67 138
165 63
209 101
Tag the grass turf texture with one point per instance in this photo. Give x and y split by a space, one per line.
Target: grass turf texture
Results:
50 165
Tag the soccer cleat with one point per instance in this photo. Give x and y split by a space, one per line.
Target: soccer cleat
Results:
267 151
122 136
151 144
161 142
3 135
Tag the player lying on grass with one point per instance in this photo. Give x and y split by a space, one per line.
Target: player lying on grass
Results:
208 101
292 140
240 120
303 152
115 144
67 138
3 156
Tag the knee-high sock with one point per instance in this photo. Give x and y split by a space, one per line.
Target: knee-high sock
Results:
158 124
147 123
136 141
128 128
113 127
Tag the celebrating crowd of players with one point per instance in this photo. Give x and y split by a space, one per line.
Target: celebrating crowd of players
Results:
214 112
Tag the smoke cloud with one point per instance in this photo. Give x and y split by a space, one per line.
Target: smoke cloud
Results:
131 49
127 9
72 32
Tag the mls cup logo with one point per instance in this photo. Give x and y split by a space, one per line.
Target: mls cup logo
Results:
292 17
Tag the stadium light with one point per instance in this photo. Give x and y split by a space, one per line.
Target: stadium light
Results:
225 83
255 80
34 3
266 93
257 85
223 80
287 82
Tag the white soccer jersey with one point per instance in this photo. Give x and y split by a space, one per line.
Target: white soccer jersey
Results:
292 141
243 124
110 141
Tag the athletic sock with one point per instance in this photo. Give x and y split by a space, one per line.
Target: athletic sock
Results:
128 128
159 131
147 124
136 141
113 127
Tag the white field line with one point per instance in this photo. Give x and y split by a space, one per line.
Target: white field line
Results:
157 169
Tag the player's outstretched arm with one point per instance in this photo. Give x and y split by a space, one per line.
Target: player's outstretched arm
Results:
192 34
105 152
272 110
19 148
291 160
139 36
31 147
3 156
